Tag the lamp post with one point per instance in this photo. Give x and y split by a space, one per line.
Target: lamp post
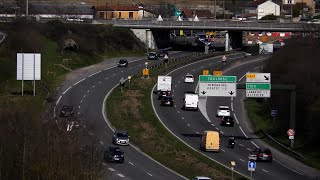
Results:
129 79
146 64
233 164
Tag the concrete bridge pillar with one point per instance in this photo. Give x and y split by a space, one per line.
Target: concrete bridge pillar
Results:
145 36
235 39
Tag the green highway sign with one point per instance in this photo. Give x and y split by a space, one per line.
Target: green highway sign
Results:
258 86
217 79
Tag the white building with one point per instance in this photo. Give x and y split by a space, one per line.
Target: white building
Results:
268 8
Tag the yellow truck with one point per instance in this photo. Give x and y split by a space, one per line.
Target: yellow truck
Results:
210 141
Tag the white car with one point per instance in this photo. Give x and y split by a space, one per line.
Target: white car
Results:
189 78
223 111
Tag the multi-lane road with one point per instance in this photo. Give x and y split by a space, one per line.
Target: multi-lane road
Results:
87 89
188 125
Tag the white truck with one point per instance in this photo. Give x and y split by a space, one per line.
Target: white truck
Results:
191 101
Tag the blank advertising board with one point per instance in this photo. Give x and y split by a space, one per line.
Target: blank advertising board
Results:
164 83
28 66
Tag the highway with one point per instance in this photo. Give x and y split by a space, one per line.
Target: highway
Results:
86 89
188 125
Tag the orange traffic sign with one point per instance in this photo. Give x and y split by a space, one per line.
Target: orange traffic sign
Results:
217 73
145 71
205 72
251 75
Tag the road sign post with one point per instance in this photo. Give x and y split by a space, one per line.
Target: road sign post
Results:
258 85
274 114
291 134
219 86
251 167
233 164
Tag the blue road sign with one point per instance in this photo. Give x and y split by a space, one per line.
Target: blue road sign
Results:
274 112
252 165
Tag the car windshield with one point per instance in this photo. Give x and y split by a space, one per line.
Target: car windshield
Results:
224 109
167 98
189 76
67 108
266 151
122 61
152 54
122 135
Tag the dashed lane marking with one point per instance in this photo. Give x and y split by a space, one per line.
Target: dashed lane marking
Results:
212 124
149 174
249 149
107 78
178 111
265 170
178 81
221 132
223 150
111 169
84 96
101 142
242 160
81 101
241 145
93 86
121 175
99 82
182 117
131 163
188 124
113 74
88 90
217 128
197 132
58 100
175 105
79 107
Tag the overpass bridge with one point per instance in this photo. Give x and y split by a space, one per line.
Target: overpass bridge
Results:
158 32
214 25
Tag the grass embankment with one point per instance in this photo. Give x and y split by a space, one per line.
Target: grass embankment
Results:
264 122
132 110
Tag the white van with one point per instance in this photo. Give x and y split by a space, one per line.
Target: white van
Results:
190 101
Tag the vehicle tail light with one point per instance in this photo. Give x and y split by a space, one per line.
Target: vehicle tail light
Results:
260 154
270 155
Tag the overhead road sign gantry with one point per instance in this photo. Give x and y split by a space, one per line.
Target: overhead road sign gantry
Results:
258 85
258 77
218 86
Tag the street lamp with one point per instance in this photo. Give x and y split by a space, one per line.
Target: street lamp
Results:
129 79
233 164
146 63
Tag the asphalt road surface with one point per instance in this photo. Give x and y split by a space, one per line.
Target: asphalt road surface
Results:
189 125
85 90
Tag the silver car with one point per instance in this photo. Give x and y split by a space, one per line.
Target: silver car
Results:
120 137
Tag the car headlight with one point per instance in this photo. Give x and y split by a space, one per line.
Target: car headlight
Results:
117 139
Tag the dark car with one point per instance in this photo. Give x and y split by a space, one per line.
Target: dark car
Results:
120 137
114 154
66 111
227 121
153 55
123 63
163 94
261 154
167 101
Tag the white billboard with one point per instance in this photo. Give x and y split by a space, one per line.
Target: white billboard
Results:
164 83
265 48
28 66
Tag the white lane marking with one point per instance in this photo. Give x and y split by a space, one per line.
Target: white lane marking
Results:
99 82
243 132
210 64
222 132
101 142
113 74
130 68
235 117
111 169
232 106
231 98
67 90
212 124
149 174
58 100
121 175
178 111
201 67
122 71
131 163
288 167
249 149
223 150
175 105
94 73
107 78
79 81
255 144
81 101
93 86
242 160
217 128
188 124
241 145
78 112
197 132
194 70
242 76
139 65
88 90
79 107
265 170
84 96
257 67
175 85
182 117
178 81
